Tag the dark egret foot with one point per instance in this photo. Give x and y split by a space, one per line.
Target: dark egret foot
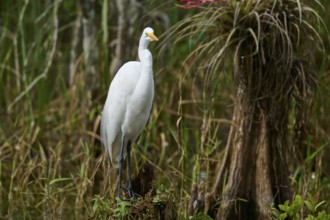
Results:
131 194
120 197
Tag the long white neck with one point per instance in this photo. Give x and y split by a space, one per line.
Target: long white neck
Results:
146 64
143 45
144 88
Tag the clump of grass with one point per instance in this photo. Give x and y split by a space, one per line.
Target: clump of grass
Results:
239 29
267 44
271 38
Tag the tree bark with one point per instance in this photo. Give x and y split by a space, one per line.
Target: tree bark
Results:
254 171
76 41
128 14
255 166
89 44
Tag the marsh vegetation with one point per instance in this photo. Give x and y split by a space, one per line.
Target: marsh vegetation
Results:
241 109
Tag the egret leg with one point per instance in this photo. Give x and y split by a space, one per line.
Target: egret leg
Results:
130 191
121 161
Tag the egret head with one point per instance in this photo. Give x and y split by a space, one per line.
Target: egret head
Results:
149 34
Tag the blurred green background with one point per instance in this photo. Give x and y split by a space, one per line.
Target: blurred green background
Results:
57 59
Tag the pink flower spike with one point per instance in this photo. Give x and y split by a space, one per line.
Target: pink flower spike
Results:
192 4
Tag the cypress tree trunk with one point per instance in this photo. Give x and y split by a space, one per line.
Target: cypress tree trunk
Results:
255 165
89 44
254 172
129 11
254 154
267 39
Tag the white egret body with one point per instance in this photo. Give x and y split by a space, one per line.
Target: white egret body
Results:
127 107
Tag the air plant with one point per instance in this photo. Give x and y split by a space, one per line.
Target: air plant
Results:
249 28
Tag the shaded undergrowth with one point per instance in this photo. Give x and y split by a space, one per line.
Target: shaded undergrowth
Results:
52 164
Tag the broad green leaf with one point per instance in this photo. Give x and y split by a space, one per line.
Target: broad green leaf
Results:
95 206
283 216
310 206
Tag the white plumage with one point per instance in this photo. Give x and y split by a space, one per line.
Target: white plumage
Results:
128 104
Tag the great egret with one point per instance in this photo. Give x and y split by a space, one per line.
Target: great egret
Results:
127 107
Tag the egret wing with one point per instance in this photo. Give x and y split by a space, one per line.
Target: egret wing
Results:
113 115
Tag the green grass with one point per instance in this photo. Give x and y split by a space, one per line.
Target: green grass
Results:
52 164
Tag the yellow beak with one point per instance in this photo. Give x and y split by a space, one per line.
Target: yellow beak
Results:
152 36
